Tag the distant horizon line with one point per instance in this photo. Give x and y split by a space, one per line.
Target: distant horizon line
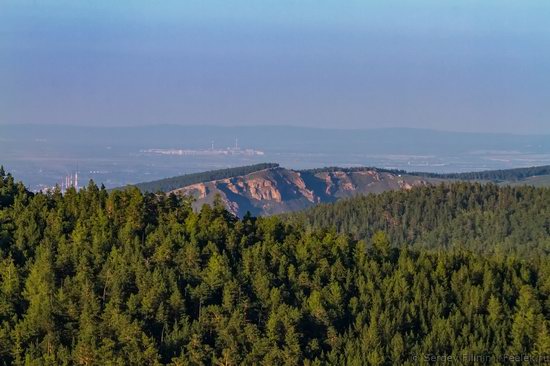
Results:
272 126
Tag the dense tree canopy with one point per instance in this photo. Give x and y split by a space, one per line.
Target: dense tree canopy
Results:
482 217
125 278
493 175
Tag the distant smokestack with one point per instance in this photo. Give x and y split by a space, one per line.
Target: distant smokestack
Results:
76 180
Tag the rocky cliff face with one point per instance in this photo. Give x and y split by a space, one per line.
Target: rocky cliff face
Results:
278 190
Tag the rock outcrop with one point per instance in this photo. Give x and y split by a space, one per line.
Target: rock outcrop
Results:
279 190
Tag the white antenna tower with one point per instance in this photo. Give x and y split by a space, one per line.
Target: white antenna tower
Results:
76 178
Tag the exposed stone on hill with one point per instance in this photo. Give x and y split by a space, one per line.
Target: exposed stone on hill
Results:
278 190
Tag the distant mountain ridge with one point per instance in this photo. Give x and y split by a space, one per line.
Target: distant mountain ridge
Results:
496 176
266 189
276 190
170 184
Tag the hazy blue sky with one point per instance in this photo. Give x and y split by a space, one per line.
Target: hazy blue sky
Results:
465 65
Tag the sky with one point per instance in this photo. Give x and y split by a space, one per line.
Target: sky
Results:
480 66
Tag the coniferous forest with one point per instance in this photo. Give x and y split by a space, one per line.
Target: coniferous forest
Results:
169 184
485 218
125 278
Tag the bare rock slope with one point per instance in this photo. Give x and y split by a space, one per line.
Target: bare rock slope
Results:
277 190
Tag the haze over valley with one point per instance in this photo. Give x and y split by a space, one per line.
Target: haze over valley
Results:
43 155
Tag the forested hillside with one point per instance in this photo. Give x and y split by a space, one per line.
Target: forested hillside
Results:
169 184
96 277
504 175
501 175
267 189
482 217
496 176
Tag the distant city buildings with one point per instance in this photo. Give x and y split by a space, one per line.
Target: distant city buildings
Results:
236 150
